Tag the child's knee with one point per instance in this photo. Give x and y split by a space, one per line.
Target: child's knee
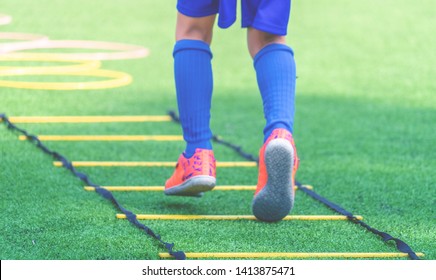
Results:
194 28
257 40
194 33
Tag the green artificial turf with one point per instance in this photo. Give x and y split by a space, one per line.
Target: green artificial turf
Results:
364 130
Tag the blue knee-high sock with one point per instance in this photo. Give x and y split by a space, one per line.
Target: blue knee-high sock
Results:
275 69
194 83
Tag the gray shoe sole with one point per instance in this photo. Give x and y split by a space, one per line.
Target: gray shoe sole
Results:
194 186
276 199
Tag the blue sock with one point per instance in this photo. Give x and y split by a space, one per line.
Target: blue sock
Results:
275 69
194 83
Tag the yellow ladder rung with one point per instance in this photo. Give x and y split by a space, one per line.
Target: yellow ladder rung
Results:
106 137
237 217
160 188
292 255
148 164
88 119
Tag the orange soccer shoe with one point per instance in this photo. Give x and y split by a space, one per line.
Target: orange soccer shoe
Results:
193 176
278 163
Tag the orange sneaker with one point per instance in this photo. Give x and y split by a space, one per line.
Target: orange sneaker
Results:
193 176
278 163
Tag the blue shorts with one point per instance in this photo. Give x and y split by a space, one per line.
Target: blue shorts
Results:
270 16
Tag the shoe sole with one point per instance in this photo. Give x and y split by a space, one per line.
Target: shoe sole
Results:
194 186
276 199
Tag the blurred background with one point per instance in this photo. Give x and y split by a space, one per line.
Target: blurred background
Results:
365 131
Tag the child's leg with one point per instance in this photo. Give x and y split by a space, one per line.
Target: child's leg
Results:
275 69
193 78
278 161
195 169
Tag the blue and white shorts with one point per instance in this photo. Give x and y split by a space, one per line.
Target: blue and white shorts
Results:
270 16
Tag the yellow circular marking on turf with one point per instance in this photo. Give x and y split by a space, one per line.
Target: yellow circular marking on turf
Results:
5 19
148 164
238 217
160 188
291 255
117 79
117 51
25 41
77 65
106 137
88 119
